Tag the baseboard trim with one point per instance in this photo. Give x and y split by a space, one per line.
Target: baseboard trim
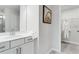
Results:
70 42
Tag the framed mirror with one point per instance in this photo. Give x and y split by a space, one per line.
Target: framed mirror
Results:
9 18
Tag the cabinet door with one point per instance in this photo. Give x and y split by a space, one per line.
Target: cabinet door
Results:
16 50
10 51
27 48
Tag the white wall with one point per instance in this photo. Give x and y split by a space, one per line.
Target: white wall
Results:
49 34
72 13
33 24
33 19
23 18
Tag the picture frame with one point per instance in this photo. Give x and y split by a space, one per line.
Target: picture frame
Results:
47 15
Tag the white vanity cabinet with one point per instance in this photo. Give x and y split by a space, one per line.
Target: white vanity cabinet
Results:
27 48
23 49
20 46
11 51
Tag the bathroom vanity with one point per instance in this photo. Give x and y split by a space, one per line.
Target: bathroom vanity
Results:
17 45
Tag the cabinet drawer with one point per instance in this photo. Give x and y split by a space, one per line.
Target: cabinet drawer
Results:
4 46
17 42
28 39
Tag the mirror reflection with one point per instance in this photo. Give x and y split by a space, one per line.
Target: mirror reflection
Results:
9 18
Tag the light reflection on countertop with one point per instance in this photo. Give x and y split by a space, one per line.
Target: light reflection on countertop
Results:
16 36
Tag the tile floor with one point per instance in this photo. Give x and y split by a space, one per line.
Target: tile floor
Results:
69 48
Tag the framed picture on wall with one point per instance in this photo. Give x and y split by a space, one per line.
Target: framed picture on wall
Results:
47 15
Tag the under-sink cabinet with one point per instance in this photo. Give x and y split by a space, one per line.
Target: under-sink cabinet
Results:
18 46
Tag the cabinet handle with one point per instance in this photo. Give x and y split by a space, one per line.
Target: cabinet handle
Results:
20 50
30 39
78 31
16 51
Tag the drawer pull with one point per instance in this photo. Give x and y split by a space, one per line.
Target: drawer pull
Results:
18 51
30 39
2 47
